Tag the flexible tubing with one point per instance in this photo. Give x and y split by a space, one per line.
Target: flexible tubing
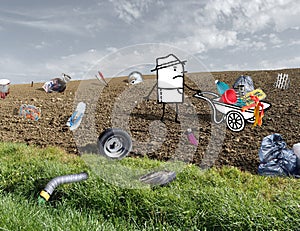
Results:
50 187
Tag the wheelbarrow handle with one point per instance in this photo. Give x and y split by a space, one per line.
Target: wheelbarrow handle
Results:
210 93
203 93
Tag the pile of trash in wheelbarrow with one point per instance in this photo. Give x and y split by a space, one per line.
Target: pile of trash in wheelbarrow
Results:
240 104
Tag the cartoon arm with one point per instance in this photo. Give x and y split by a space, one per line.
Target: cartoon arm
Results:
148 96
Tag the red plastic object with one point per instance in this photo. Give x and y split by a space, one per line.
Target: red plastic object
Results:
229 96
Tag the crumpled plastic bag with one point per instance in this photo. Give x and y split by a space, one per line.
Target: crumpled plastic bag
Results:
246 81
57 84
275 158
135 77
30 112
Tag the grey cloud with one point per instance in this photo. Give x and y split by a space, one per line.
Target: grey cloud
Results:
129 11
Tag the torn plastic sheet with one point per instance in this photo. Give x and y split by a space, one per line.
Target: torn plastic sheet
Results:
275 158
30 112
135 77
159 178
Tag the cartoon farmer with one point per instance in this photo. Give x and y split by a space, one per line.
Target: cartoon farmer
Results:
170 82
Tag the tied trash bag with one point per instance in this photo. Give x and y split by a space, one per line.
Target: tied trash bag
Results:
275 158
243 84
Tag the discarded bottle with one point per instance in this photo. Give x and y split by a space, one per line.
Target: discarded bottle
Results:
191 137
221 87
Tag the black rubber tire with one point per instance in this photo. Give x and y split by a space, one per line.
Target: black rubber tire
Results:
114 143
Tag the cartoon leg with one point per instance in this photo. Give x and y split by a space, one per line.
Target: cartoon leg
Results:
162 117
148 96
176 116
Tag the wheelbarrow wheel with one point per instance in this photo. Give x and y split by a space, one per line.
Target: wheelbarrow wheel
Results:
235 121
114 143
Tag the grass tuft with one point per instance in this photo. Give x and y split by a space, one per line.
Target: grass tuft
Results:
215 199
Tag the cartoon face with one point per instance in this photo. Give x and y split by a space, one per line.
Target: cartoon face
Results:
170 77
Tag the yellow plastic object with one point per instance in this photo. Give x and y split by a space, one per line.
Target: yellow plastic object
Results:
257 92
258 115
45 195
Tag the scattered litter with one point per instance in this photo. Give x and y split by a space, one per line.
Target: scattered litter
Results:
114 143
135 77
258 114
257 92
75 120
159 178
30 112
243 85
101 79
283 81
55 182
221 87
57 84
66 78
191 137
275 158
229 96
4 88
235 111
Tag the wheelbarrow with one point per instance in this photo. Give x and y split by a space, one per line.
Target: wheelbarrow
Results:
232 114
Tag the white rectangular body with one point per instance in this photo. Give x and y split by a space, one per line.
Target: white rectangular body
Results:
170 84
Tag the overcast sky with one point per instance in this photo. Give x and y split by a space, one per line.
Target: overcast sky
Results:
40 39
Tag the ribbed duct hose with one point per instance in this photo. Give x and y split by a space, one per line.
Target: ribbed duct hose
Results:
50 187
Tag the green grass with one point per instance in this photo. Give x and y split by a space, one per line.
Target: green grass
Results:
215 199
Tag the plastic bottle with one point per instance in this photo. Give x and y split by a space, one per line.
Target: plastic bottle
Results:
192 139
221 87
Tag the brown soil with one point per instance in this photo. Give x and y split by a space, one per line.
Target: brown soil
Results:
238 149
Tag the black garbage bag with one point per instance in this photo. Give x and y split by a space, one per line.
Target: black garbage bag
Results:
245 82
59 85
275 158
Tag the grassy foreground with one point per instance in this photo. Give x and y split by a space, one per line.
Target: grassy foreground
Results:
216 199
